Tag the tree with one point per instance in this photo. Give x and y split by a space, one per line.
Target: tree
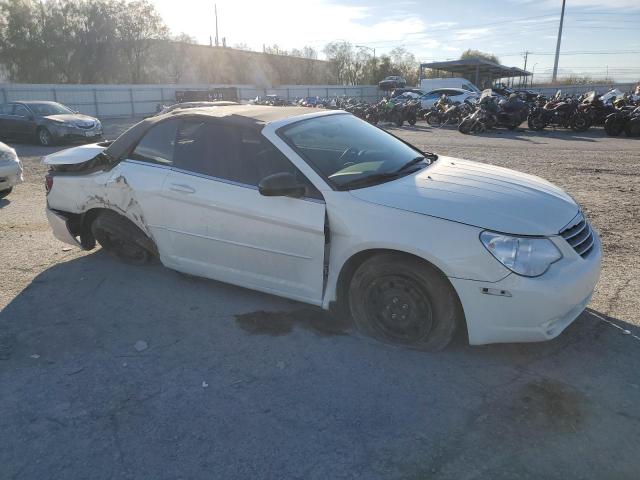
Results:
404 62
340 56
470 54
139 26
175 55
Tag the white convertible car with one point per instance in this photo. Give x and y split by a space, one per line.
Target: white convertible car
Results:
326 209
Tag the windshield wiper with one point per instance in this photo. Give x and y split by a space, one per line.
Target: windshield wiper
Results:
370 180
411 163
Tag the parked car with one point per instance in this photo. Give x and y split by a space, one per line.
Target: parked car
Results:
392 82
324 208
456 95
47 123
401 91
10 170
429 84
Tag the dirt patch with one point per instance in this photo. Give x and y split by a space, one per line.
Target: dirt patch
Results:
282 323
550 405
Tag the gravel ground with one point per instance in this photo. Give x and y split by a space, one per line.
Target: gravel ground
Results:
112 371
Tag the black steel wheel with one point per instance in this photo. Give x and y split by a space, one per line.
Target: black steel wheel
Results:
402 300
122 239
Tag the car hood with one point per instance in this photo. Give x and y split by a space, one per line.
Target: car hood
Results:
478 194
74 155
72 118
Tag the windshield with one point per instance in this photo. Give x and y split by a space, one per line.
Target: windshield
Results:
44 109
349 152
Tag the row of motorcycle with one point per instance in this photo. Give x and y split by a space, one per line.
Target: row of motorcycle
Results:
617 113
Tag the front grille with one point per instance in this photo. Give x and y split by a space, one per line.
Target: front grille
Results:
578 234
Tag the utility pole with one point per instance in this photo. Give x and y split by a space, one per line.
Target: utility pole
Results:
215 10
526 56
555 63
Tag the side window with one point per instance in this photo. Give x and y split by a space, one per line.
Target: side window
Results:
232 153
157 145
20 111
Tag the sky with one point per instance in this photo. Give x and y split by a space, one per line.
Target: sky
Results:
599 37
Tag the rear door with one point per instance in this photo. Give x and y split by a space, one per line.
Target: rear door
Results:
136 183
22 123
222 227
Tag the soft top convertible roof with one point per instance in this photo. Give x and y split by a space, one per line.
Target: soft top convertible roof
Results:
252 116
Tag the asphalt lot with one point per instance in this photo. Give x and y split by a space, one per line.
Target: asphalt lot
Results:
216 388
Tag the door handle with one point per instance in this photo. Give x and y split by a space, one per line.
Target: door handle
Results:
179 187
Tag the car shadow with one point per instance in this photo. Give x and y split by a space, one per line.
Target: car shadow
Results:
97 288
136 359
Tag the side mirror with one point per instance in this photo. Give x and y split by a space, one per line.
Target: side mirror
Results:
282 184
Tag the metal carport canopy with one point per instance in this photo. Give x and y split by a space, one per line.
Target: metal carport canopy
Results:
475 68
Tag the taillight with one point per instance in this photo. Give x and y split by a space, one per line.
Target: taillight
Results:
48 182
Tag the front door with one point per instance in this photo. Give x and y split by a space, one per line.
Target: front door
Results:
220 225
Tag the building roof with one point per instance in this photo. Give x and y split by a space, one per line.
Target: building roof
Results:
476 67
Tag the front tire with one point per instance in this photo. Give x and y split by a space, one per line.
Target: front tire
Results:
465 126
536 122
580 123
614 126
44 137
401 300
434 119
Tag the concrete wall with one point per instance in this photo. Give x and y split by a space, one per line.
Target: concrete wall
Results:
139 100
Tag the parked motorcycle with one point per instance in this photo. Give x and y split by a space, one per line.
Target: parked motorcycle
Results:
387 111
559 111
512 112
595 108
483 118
410 111
447 112
625 120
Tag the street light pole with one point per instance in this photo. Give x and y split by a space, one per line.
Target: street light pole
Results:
555 63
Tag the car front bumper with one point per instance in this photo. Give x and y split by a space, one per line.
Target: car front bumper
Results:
70 133
10 174
523 309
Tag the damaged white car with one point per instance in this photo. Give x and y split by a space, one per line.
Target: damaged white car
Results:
329 210
10 170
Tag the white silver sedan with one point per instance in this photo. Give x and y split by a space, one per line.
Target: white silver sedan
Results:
326 209
10 170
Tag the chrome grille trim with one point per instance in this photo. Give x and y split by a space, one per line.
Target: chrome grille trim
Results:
578 234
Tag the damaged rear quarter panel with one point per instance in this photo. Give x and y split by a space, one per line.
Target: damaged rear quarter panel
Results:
103 189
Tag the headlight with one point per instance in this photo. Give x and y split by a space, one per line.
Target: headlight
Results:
526 256
8 155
